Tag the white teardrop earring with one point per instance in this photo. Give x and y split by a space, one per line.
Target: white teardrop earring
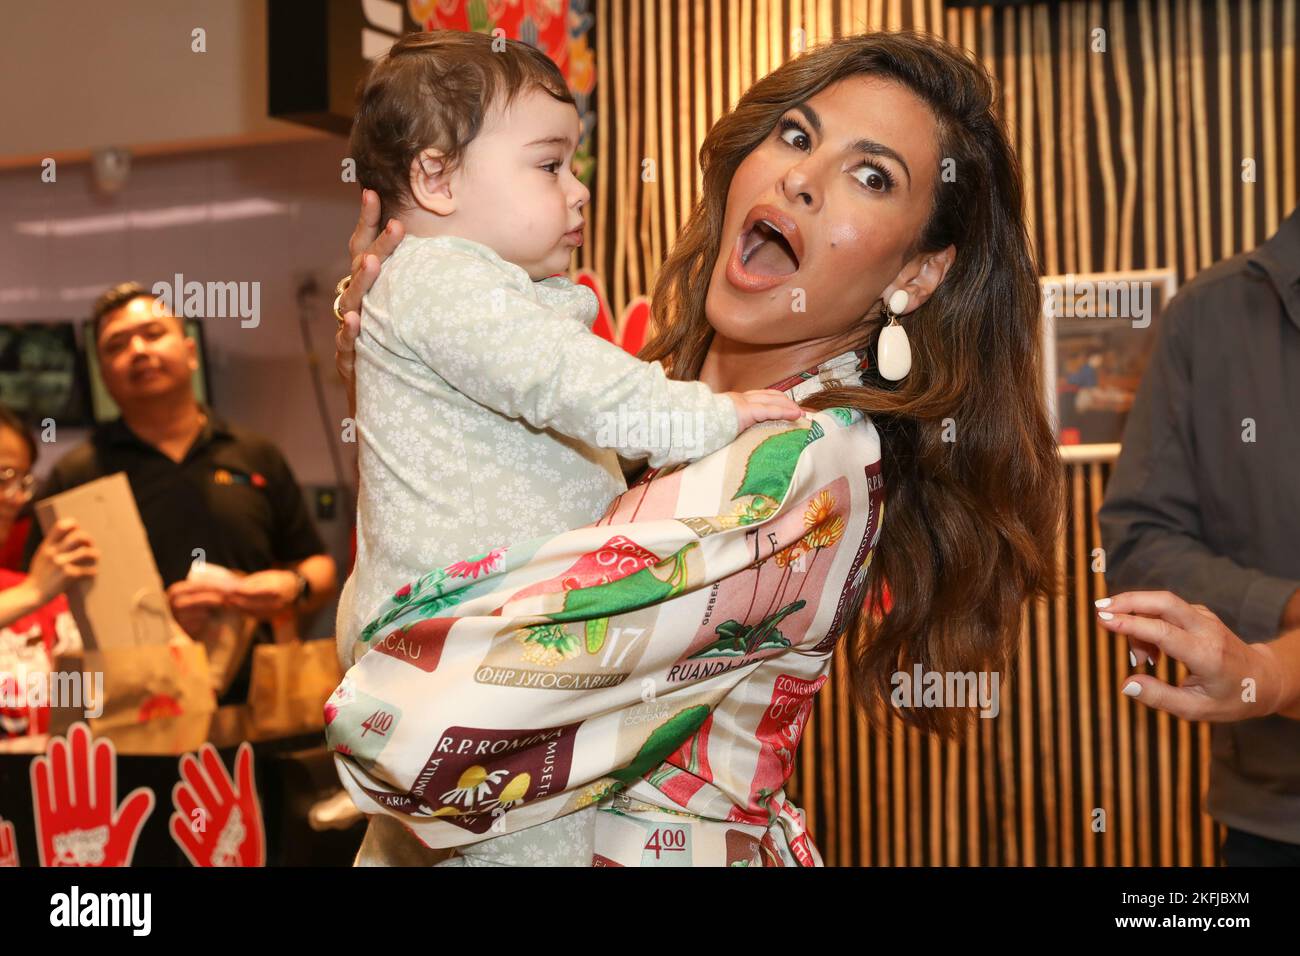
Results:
893 351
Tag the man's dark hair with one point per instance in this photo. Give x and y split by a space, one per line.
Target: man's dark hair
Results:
11 420
113 299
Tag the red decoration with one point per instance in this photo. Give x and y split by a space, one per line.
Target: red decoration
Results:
630 333
74 798
217 823
8 848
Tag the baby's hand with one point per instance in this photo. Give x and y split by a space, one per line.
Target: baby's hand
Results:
763 405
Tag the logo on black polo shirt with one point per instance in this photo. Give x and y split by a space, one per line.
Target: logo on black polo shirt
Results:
224 476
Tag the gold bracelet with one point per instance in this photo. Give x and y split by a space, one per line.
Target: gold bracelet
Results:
338 294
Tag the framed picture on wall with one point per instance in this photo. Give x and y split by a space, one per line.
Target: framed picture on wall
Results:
1098 330
40 373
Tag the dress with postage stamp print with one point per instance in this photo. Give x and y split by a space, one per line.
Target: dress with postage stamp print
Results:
658 665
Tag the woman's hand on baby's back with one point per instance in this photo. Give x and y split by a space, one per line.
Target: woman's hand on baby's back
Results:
763 405
368 248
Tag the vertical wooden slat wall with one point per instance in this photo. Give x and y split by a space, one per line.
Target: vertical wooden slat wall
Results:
1134 122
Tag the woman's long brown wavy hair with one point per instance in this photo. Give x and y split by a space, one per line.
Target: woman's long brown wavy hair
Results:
973 482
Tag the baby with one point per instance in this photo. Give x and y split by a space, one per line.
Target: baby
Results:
488 413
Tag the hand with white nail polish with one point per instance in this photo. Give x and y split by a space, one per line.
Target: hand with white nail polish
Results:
1227 679
1136 647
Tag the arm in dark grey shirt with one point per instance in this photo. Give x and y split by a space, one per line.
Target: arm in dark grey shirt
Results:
1151 520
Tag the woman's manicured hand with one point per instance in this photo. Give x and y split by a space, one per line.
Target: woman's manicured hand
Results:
368 248
1228 679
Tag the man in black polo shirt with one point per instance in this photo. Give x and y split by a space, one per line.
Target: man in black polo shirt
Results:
204 489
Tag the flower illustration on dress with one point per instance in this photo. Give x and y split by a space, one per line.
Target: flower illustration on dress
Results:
547 644
487 564
511 794
792 554
825 525
475 784
825 528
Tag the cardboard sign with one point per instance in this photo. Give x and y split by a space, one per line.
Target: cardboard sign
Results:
124 604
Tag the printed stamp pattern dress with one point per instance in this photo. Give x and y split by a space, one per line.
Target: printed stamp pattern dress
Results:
654 669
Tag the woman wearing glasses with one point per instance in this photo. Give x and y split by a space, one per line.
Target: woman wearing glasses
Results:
17 456
35 624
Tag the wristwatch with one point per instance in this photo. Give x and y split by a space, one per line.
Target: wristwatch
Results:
304 588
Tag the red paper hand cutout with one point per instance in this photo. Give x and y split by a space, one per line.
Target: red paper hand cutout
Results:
8 846
631 330
215 824
78 821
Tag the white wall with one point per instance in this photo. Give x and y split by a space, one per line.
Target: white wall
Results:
84 74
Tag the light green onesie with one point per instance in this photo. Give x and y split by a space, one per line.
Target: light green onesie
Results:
488 413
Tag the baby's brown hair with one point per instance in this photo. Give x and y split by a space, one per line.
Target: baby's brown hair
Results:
434 90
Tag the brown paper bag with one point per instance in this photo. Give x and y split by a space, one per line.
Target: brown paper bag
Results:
156 698
229 632
226 639
289 686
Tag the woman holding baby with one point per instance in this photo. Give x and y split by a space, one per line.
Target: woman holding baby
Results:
632 691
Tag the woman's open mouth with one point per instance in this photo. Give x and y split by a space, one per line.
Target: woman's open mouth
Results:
767 251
